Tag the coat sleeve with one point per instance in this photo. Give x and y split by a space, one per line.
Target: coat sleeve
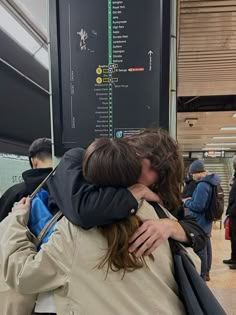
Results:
85 204
194 232
200 198
26 270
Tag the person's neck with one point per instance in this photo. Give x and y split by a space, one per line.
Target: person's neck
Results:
45 164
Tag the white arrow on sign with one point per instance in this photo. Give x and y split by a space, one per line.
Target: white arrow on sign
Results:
150 53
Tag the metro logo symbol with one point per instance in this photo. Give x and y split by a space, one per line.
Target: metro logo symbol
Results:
119 134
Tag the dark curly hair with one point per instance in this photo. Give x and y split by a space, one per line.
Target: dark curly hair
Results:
157 146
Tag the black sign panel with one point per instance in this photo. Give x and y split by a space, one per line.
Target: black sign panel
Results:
110 68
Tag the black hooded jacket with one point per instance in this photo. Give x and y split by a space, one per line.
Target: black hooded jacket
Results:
231 210
32 178
88 205
85 204
190 185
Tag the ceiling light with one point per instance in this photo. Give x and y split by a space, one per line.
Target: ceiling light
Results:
221 143
224 137
228 128
215 149
17 32
42 57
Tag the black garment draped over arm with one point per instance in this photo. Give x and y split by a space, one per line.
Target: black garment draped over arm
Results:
194 233
82 203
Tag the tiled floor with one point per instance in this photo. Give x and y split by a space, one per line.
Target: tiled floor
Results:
223 280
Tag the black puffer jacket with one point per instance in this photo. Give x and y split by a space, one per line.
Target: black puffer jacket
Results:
32 178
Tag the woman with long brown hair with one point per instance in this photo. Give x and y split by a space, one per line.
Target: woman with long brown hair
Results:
92 271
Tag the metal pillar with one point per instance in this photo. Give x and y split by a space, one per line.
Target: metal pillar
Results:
173 61
55 160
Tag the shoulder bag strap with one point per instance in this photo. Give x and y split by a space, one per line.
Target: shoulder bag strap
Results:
49 224
42 183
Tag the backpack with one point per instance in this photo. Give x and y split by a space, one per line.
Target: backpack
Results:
216 206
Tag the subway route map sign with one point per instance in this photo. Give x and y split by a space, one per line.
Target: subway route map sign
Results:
109 68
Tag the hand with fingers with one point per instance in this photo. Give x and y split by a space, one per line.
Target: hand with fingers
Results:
24 203
149 236
153 233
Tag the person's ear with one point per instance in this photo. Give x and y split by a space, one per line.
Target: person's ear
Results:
34 162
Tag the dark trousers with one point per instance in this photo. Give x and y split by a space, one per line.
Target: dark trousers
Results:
232 226
206 258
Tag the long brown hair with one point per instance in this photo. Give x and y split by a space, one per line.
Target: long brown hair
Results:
162 151
115 163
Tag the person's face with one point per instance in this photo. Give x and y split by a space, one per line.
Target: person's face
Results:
199 176
148 175
196 176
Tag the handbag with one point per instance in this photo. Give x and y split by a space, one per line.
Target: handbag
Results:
227 229
193 291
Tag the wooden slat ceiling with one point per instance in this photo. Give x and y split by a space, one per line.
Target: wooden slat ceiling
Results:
206 62
207 125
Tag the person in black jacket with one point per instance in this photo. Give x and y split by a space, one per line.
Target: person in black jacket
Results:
40 159
189 186
81 201
231 212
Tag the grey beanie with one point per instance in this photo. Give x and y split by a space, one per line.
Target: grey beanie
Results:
196 167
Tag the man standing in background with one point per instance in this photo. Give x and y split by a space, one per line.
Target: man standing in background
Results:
197 207
231 212
40 159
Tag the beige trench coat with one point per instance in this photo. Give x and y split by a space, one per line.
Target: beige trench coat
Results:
67 265
12 302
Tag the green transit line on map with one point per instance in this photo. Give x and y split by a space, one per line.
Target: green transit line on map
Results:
110 68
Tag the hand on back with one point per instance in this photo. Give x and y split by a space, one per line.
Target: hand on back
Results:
150 235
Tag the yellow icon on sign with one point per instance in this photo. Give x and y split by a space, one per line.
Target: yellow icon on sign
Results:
99 80
99 70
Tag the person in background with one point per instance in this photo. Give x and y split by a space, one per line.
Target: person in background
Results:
40 159
234 175
197 206
189 186
84 266
188 189
231 212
